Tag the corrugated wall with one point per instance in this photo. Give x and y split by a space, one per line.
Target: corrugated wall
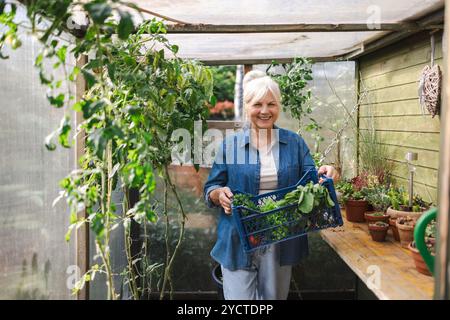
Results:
391 77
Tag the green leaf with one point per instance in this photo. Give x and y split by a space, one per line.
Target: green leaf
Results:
213 100
89 77
57 101
61 54
49 142
151 216
38 61
43 78
98 141
97 225
307 204
126 25
90 108
174 48
64 131
99 11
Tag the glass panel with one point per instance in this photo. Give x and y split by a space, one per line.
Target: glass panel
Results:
34 257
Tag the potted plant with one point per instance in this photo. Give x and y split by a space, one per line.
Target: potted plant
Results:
399 206
417 257
405 226
393 226
378 230
376 216
380 201
353 198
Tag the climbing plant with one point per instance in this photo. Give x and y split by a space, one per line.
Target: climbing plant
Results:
136 98
296 96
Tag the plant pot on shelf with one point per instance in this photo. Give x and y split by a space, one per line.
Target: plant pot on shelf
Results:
393 225
355 210
378 230
405 227
399 213
376 216
420 264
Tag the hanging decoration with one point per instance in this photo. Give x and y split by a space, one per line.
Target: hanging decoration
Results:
430 85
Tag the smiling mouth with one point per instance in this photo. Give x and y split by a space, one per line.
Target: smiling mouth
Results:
265 118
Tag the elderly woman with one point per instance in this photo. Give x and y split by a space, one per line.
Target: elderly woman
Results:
281 159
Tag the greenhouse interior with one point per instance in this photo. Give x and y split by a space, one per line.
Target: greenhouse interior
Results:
116 115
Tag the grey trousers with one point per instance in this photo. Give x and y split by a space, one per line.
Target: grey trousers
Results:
265 280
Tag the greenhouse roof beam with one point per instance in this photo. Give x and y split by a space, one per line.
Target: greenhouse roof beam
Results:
261 61
303 27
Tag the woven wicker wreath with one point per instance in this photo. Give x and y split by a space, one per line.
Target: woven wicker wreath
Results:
430 89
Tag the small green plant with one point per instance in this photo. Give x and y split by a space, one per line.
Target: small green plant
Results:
244 199
378 197
350 192
399 199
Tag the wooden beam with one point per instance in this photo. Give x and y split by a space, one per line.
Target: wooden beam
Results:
430 21
269 60
442 280
301 27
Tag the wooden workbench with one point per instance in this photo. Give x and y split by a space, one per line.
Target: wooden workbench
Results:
399 279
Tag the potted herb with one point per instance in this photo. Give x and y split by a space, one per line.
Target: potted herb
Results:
405 226
378 230
399 206
353 197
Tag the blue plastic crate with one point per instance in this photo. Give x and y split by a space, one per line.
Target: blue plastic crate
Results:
258 229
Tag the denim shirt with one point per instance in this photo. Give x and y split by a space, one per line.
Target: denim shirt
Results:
233 167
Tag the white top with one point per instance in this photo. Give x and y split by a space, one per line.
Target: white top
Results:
268 174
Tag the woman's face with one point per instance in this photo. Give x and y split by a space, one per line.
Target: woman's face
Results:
263 113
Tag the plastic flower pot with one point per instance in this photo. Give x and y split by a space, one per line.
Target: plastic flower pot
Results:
376 216
393 225
405 231
378 230
418 260
355 210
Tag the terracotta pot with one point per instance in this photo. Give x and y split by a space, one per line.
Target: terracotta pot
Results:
355 210
393 225
421 266
371 218
378 233
398 213
406 233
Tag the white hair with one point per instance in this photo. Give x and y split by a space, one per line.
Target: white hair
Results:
256 85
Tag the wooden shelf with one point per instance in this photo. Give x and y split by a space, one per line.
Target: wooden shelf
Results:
399 279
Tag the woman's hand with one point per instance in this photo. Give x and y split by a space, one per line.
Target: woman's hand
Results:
222 197
331 172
